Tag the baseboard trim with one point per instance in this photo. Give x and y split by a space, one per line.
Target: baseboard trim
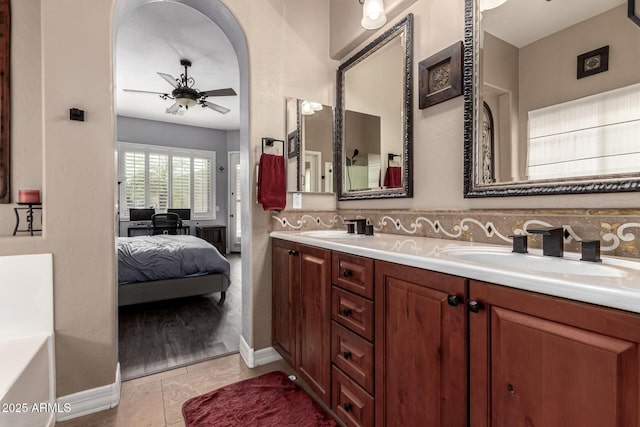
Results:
90 401
254 358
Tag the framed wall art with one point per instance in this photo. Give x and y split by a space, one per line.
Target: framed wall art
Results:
441 76
594 62
293 147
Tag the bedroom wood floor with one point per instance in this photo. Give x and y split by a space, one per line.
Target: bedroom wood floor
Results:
164 335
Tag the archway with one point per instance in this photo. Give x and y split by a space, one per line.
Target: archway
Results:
218 13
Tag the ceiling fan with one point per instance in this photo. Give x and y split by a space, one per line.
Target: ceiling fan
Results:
185 95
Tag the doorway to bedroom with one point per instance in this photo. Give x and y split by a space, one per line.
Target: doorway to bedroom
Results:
178 141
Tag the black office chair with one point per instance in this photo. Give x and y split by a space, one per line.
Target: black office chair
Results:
165 223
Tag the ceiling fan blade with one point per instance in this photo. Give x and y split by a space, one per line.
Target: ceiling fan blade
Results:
219 108
170 79
145 91
174 109
220 92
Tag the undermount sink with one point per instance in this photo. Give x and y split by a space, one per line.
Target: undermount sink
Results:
330 234
569 265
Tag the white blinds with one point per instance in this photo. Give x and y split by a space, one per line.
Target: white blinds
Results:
181 188
164 177
201 184
159 181
135 179
595 135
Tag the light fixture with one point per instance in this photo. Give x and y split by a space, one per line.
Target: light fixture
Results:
306 108
186 102
373 16
490 4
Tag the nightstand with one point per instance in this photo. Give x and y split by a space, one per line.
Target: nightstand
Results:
214 234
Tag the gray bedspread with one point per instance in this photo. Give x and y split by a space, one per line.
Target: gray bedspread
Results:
146 258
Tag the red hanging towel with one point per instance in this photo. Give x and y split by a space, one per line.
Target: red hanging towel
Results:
272 184
393 177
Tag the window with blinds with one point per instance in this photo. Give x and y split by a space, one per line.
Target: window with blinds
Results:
165 177
594 135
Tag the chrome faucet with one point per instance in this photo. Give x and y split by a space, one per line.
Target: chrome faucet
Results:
552 240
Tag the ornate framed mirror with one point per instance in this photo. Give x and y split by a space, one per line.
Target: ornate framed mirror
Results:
563 96
5 100
373 133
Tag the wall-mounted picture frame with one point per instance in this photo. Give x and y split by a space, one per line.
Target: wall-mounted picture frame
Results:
441 76
293 145
594 62
634 11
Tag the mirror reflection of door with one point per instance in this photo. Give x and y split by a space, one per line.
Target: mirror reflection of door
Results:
487 144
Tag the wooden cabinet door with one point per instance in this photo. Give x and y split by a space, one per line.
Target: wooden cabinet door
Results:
544 361
285 282
314 358
420 355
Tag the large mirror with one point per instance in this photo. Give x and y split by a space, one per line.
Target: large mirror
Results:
374 118
555 102
309 142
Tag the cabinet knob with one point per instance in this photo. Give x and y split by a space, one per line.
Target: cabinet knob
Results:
292 252
347 312
475 306
346 355
347 273
347 407
453 300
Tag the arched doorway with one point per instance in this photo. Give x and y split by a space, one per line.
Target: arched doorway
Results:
217 12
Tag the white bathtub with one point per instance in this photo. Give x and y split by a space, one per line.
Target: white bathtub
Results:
27 382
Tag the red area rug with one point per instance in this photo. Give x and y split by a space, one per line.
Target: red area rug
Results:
268 400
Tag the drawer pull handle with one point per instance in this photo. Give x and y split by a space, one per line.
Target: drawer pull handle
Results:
347 407
347 312
346 355
347 273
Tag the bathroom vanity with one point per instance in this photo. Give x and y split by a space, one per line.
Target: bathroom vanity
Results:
395 330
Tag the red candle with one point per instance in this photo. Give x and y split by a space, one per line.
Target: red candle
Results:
28 196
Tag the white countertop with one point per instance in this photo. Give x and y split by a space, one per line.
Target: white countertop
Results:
621 292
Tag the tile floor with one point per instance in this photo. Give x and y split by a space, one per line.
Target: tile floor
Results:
156 400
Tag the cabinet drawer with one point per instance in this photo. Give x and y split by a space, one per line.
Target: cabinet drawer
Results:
352 311
353 273
350 402
352 354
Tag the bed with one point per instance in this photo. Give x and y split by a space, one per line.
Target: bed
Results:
162 267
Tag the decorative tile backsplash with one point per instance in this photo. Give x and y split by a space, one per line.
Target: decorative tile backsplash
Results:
617 229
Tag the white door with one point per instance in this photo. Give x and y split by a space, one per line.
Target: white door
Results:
234 234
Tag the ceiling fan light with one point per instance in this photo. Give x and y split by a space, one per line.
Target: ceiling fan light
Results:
186 102
373 16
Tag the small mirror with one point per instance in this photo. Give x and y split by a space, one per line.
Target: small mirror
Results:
555 102
309 145
374 118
